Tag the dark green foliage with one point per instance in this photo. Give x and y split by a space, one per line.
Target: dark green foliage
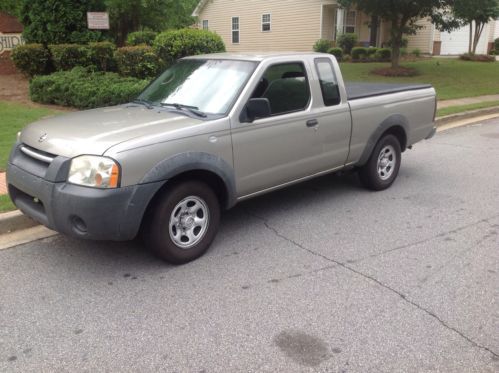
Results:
337 52
347 42
416 52
83 89
138 61
496 44
384 54
359 53
322 45
31 59
371 51
403 43
102 55
141 37
12 7
175 44
68 56
57 21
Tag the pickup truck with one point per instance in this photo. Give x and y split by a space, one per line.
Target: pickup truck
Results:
210 131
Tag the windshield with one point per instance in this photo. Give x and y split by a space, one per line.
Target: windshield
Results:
207 85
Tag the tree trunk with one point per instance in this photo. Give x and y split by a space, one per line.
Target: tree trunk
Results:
470 45
396 41
478 33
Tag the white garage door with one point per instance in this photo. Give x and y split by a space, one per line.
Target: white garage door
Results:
456 42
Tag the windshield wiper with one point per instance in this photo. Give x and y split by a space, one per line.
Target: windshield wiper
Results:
147 104
192 109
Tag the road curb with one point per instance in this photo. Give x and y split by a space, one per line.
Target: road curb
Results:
16 220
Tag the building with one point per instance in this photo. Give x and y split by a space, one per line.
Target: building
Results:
268 25
10 36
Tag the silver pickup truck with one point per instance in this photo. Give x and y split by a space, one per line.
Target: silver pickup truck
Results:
211 131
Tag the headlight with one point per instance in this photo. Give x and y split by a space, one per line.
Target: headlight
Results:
94 171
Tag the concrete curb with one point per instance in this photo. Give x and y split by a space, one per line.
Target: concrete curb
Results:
16 220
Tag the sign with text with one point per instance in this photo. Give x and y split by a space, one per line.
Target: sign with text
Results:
9 41
98 20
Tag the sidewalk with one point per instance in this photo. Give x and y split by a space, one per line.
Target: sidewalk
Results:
466 101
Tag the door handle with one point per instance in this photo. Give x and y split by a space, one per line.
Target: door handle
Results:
312 123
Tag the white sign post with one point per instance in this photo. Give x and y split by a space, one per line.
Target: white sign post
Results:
98 20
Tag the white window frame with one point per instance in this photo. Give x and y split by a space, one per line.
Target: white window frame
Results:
269 22
238 30
354 25
205 24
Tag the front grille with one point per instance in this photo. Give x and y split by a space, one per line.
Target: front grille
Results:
32 160
37 154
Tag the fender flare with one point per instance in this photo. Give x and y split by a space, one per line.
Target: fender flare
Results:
194 161
395 120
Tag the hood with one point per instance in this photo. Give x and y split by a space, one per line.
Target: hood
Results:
95 131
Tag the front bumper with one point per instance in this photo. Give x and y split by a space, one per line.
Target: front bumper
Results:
89 213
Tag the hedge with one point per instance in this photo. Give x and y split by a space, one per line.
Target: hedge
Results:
384 54
31 59
141 37
347 42
139 61
68 56
322 46
359 53
84 89
337 52
102 55
175 44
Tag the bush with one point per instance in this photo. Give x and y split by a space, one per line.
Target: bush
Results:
102 55
359 53
175 44
337 52
139 61
477 57
31 59
84 89
322 45
416 52
384 54
371 51
403 44
68 56
141 37
347 42
496 44
403 52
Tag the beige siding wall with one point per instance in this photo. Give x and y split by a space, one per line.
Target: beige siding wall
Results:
423 40
296 25
328 22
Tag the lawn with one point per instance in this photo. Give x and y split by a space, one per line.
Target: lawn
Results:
13 117
462 108
452 78
6 204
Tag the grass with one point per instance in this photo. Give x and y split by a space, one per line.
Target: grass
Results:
459 109
452 78
13 117
6 204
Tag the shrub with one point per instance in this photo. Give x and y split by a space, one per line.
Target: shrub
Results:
371 51
141 37
359 53
477 57
347 42
175 44
416 52
322 45
403 52
384 54
102 55
139 61
31 59
68 56
84 89
404 43
496 44
337 52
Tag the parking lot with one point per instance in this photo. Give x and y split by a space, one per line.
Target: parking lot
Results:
323 276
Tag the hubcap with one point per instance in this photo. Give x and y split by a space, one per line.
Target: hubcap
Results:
386 162
189 222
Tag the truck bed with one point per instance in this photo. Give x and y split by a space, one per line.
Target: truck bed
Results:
362 90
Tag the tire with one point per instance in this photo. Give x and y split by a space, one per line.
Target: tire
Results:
184 222
383 165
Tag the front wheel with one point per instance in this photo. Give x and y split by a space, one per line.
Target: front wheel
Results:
184 223
383 166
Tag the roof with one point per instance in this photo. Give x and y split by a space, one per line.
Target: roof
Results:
251 56
199 8
9 24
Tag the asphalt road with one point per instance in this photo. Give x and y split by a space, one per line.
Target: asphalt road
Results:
324 276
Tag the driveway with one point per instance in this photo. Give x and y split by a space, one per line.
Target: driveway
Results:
324 276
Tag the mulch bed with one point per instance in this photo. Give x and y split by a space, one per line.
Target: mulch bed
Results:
396 72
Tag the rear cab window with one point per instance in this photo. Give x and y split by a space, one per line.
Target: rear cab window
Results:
328 82
286 87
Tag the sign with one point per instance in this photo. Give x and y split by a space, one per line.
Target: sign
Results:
98 20
9 41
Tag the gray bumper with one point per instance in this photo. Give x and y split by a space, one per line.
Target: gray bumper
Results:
98 214
432 133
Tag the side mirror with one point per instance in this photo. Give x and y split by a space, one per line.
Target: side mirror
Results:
257 108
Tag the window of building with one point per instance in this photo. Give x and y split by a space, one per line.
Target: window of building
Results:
205 24
328 82
350 21
286 87
266 22
235 30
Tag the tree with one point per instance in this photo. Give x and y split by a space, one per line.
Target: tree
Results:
475 13
12 7
401 14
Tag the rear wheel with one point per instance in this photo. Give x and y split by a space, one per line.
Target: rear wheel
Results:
184 223
383 166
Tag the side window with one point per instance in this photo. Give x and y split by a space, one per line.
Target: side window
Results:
328 82
286 88
235 30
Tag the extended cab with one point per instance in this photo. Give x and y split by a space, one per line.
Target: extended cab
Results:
211 131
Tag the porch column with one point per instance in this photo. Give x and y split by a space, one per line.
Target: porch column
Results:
340 21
